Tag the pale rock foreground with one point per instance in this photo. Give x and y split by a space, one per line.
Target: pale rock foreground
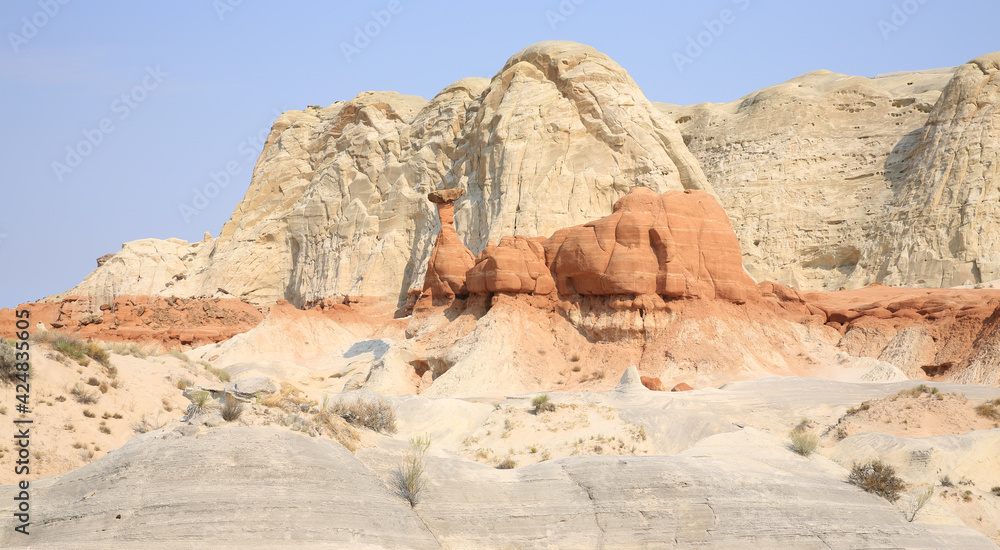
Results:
250 487
733 484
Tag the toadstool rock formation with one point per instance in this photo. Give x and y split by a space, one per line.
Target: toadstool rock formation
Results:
450 259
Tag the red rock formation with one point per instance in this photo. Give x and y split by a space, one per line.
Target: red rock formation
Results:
683 386
450 259
678 244
653 384
516 265
172 321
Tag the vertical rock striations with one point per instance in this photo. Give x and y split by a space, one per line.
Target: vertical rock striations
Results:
943 226
336 204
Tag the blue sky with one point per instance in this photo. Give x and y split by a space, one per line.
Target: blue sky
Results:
168 93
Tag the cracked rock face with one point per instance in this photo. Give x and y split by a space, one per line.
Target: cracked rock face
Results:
804 168
943 229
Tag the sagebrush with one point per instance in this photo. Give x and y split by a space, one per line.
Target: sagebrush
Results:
374 414
877 477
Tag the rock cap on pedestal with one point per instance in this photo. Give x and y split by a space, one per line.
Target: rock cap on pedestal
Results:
445 196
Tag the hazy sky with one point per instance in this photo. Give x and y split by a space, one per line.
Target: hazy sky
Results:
113 113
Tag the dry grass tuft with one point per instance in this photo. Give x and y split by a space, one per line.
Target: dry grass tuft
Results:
338 428
83 395
803 442
232 409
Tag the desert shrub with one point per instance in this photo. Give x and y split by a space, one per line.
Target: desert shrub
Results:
862 407
179 355
946 481
409 475
374 414
103 387
988 410
200 398
104 429
182 384
98 353
88 413
507 464
93 381
8 358
130 348
223 375
542 404
996 490
83 395
232 409
919 390
143 425
877 477
918 501
72 348
574 358
803 442
338 428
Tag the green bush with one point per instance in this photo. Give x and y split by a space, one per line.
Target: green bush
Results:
542 404
877 477
74 348
200 398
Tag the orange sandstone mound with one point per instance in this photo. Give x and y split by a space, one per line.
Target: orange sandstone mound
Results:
678 244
